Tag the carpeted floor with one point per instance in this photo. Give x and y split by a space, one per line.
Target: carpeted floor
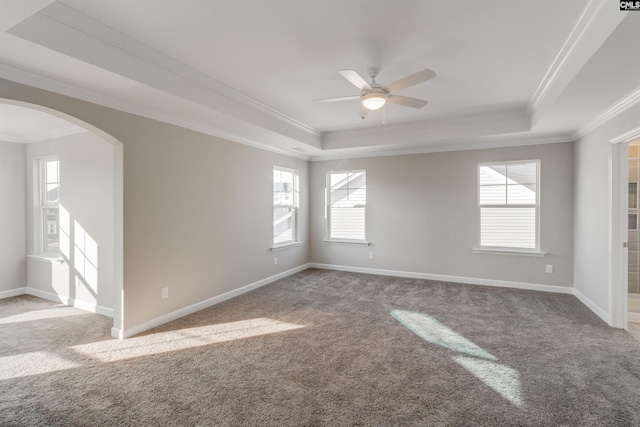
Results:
326 348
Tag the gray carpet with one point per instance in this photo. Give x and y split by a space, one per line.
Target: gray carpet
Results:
326 348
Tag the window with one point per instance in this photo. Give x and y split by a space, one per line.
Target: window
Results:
347 200
49 204
509 200
285 206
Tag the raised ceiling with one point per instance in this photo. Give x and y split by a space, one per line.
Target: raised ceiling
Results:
507 72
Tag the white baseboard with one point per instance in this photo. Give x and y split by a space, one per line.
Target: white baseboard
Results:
117 333
82 305
154 323
446 278
13 292
592 306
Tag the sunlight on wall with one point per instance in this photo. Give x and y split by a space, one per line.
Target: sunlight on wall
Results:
49 313
65 231
35 363
483 365
181 339
85 256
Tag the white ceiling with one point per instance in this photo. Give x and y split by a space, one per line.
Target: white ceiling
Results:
248 70
24 125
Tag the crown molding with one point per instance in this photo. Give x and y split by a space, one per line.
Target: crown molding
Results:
576 36
616 108
461 144
466 126
61 14
40 137
38 81
627 136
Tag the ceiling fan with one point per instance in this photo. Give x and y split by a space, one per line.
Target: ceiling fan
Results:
374 96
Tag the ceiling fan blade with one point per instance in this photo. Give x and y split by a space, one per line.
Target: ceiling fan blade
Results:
407 101
356 79
341 98
413 79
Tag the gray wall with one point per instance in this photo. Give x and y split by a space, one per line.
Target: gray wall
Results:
197 209
432 200
86 173
593 159
13 262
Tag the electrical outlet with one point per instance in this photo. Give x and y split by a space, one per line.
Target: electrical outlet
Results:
165 293
275 260
549 268
370 255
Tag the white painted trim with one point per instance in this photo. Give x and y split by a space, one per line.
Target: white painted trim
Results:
285 246
592 306
49 259
509 252
446 278
628 136
82 305
346 242
35 80
41 137
85 26
13 292
618 233
458 144
563 57
616 108
158 321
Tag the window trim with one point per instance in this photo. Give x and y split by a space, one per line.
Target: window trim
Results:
327 203
43 206
295 206
506 250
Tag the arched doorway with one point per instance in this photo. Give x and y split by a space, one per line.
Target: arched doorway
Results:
87 238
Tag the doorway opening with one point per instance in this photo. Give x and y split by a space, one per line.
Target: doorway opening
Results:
74 215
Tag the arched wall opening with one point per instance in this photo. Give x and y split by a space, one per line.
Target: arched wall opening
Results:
80 247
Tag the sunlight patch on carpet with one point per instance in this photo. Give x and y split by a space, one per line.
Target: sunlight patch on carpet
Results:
49 313
182 339
434 332
34 363
501 378
482 364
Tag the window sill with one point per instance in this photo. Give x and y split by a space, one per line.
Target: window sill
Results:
285 246
348 242
509 252
50 258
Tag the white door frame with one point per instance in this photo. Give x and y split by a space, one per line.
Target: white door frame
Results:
619 228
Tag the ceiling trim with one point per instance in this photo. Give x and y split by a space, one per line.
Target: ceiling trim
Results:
594 25
489 123
40 137
72 18
461 144
568 48
45 83
628 136
616 108
85 39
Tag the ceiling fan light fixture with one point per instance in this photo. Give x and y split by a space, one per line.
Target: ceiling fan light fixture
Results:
374 100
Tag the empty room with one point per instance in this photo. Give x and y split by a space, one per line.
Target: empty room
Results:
319 213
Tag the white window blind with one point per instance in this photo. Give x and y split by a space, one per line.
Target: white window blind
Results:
508 199
285 206
347 200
